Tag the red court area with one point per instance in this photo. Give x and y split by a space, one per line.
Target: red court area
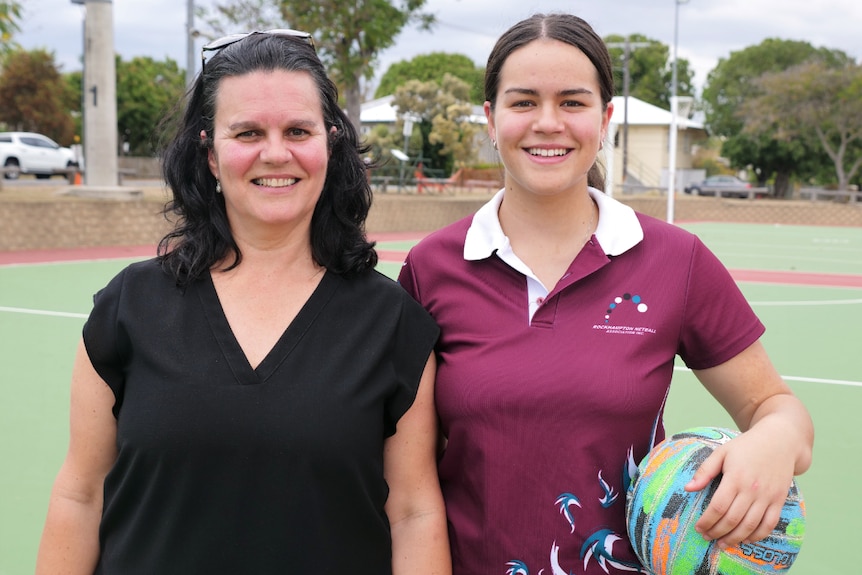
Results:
114 252
120 252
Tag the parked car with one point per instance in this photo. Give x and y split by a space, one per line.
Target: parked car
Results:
31 153
724 185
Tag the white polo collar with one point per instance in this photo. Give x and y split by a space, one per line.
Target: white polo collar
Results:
618 229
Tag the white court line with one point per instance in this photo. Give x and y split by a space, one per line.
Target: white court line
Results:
43 312
676 368
807 302
819 380
794 378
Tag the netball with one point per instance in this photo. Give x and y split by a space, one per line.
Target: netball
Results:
661 515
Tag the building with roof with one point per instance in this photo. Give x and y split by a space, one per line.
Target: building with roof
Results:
640 137
381 111
644 152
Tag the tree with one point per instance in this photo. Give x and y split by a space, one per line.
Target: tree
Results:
146 90
650 70
72 98
443 109
349 35
380 140
707 156
813 99
10 15
40 99
33 94
732 82
432 67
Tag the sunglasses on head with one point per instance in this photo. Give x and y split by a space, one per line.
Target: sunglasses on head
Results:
217 45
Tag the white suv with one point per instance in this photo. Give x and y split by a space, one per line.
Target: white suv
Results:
31 153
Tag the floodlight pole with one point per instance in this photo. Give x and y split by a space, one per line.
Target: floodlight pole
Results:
99 95
674 112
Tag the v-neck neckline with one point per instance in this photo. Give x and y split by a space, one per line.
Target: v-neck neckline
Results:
293 332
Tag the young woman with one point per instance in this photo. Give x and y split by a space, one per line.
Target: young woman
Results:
561 311
257 399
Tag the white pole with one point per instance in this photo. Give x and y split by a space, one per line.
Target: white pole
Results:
671 170
674 112
190 43
610 152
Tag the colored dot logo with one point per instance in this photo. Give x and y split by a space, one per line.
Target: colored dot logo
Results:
635 299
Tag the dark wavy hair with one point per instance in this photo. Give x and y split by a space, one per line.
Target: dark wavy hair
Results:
566 28
202 236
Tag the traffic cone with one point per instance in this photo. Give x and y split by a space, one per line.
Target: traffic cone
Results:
78 180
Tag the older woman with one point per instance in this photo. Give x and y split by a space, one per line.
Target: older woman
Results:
256 399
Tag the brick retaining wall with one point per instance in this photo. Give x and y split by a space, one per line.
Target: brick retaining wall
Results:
765 211
81 223
85 222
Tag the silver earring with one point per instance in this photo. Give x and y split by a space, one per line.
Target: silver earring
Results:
494 143
218 187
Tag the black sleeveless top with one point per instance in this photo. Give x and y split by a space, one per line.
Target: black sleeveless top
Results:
222 468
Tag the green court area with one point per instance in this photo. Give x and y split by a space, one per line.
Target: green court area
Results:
814 335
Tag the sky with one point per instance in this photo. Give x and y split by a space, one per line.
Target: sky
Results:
708 30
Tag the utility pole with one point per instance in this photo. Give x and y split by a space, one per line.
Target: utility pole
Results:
627 47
